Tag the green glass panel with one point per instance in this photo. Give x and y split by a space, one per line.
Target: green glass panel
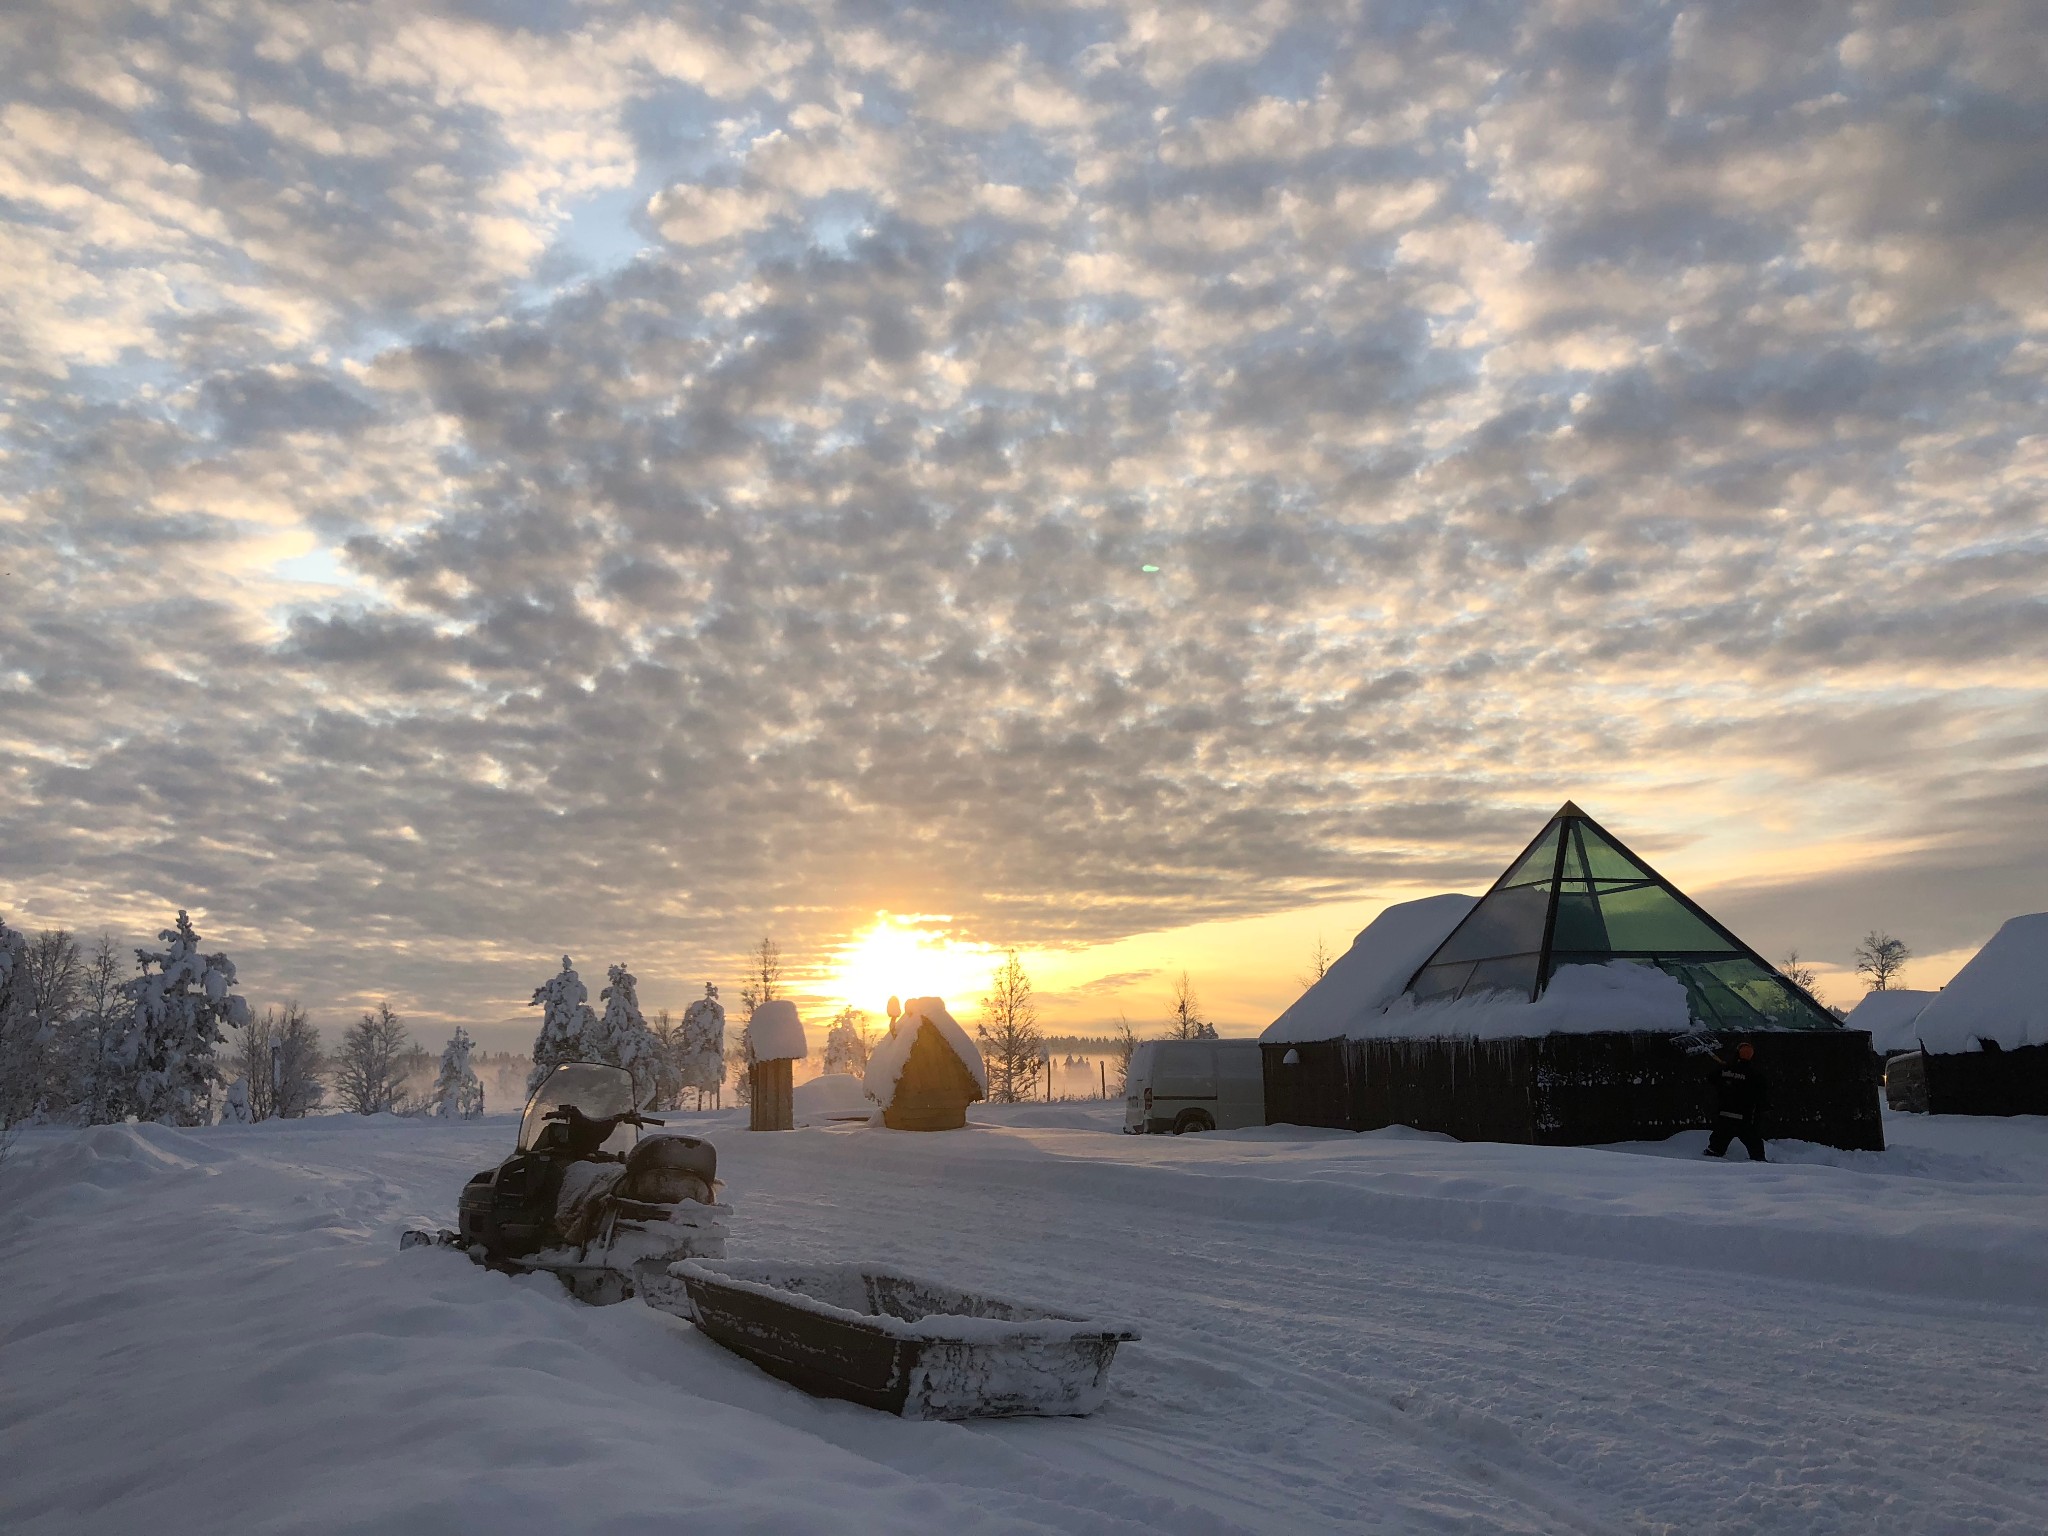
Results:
1651 918
1740 994
1578 921
1514 974
1539 863
1439 981
1574 867
1604 861
1768 994
1506 922
1703 999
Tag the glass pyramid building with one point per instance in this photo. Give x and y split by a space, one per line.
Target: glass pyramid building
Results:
1576 896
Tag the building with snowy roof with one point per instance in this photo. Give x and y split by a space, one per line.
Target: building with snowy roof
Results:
925 1071
775 1041
1887 1017
1979 1046
1579 1000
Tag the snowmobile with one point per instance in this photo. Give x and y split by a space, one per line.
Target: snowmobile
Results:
584 1197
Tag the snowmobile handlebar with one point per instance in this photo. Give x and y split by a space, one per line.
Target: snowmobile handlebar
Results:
569 1113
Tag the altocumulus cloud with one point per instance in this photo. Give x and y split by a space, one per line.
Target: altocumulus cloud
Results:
486 479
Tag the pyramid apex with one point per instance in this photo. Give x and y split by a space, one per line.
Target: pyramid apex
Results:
1571 808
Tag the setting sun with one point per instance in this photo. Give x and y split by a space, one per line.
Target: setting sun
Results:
908 957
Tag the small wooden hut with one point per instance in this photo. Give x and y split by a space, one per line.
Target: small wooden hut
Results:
776 1036
926 1071
1979 1046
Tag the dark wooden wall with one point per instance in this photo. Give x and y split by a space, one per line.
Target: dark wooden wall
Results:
1988 1082
1572 1090
772 1104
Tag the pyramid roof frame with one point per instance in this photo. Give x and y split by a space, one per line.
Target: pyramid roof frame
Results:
1567 898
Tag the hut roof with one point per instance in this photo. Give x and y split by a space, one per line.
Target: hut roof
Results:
2002 994
1578 935
1371 973
892 1053
1576 900
1889 1017
776 1033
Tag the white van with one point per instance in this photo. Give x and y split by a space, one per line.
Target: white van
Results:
1194 1085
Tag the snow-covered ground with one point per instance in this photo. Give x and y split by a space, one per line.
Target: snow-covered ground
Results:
215 1330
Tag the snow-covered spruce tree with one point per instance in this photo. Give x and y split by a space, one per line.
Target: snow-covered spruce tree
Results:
234 1104
847 1042
181 1007
458 1092
701 1065
623 1039
566 1018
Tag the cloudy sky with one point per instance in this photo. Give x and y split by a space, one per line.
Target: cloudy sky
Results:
1145 486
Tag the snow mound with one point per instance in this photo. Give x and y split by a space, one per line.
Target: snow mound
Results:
776 1032
1580 1000
2002 994
885 1064
836 1093
1369 975
103 1159
1889 1017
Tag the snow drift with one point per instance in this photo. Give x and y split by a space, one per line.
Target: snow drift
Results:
1506 1338
836 1093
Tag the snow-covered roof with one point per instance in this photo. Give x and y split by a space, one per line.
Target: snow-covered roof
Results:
886 1061
2002 994
1360 997
1889 1017
776 1032
1371 973
1580 1000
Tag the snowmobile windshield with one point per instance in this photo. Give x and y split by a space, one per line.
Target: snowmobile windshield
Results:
596 1090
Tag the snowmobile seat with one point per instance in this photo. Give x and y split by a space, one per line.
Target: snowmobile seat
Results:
664 1169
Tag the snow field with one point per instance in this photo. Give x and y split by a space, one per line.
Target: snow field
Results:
207 1330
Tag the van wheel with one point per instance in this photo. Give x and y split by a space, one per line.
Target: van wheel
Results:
1193 1120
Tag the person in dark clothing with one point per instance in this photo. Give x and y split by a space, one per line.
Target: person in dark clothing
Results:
1739 1108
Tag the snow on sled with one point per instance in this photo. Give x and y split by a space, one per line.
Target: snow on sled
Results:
585 1198
887 1341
